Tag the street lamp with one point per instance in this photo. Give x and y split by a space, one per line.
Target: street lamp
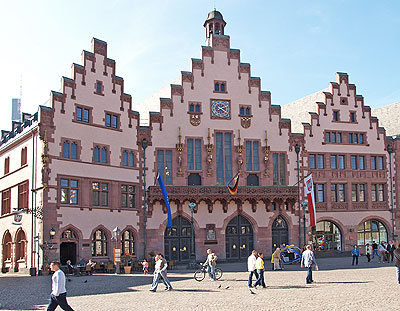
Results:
192 263
52 233
390 151
144 146
304 204
297 149
117 252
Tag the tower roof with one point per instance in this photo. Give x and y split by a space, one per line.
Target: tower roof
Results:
214 15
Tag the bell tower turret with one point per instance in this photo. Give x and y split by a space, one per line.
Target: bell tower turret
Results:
214 24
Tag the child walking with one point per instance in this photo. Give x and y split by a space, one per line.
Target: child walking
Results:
145 266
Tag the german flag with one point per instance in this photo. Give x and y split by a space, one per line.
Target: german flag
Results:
235 181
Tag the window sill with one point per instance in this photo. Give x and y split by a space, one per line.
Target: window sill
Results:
97 125
219 92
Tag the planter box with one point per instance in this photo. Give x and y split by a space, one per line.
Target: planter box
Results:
127 269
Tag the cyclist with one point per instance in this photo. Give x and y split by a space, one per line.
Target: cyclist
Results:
210 263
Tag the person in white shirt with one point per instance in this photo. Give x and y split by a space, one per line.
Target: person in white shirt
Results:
382 253
160 271
58 295
251 267
368 251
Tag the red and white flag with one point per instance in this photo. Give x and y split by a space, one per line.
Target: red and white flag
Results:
311 199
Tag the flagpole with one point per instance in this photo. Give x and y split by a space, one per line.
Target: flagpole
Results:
297 149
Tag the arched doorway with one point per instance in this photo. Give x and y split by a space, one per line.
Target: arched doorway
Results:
239 238
7 251
68 246
280 232
328 236
20 249
372 230
177 240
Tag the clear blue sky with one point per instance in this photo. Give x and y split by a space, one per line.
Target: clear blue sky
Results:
294 46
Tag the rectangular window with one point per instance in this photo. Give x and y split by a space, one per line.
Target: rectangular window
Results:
352 117
380 163
333 137
6 202
333 162
24 156
374 192
335 116
361 162
353 162
342 192
361 139
282 169
334 196
361 192
108 120
252 156
114 122
354 192
111 120
321 161
350 138
6 165
355 136
341 162
127 196
82 114
311 161
164 165
275 168
279 168
373 163
327 137
23 194
224 157
194 154
100 194
381 192
339 138
321 193
68 191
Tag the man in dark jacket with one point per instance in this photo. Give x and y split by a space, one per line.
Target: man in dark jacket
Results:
390 248
397 261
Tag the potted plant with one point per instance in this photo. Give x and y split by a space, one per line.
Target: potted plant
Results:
126 258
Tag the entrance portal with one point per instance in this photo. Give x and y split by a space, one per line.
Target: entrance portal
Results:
280 233
239 238
68 252
177 240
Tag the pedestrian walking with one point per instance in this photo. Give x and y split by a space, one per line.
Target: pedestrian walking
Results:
368 251
382 253
390 249
307 261
374 250
251 267
397 260
355 253
211 263
58 296
260 270
145 265
276 256
160 271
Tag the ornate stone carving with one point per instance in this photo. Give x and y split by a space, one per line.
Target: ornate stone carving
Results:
179 148
266 155
209 148
245 122
195 119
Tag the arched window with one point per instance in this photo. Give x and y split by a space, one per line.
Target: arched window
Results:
252 180
194 179
128 243
371 230
217 28
96 154
7 242
328 236
125 158
131 159
98 87
104 155
74 151
20 243
66 149
99 243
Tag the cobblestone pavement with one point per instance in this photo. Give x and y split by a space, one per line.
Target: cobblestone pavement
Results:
339 286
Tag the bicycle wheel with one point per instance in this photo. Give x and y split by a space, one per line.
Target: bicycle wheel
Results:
218 273
199 275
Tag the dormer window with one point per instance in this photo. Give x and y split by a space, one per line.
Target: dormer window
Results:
220 86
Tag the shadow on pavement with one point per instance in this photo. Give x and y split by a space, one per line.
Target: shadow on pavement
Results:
344 282
196 290
97 284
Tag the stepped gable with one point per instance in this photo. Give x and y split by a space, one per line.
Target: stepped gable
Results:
81 72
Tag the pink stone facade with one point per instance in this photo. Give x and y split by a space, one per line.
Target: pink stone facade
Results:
87 167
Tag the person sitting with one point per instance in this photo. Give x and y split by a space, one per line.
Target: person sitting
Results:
71 269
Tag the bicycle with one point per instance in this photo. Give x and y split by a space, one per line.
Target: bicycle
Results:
200 274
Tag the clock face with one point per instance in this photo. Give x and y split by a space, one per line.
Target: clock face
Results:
220 109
